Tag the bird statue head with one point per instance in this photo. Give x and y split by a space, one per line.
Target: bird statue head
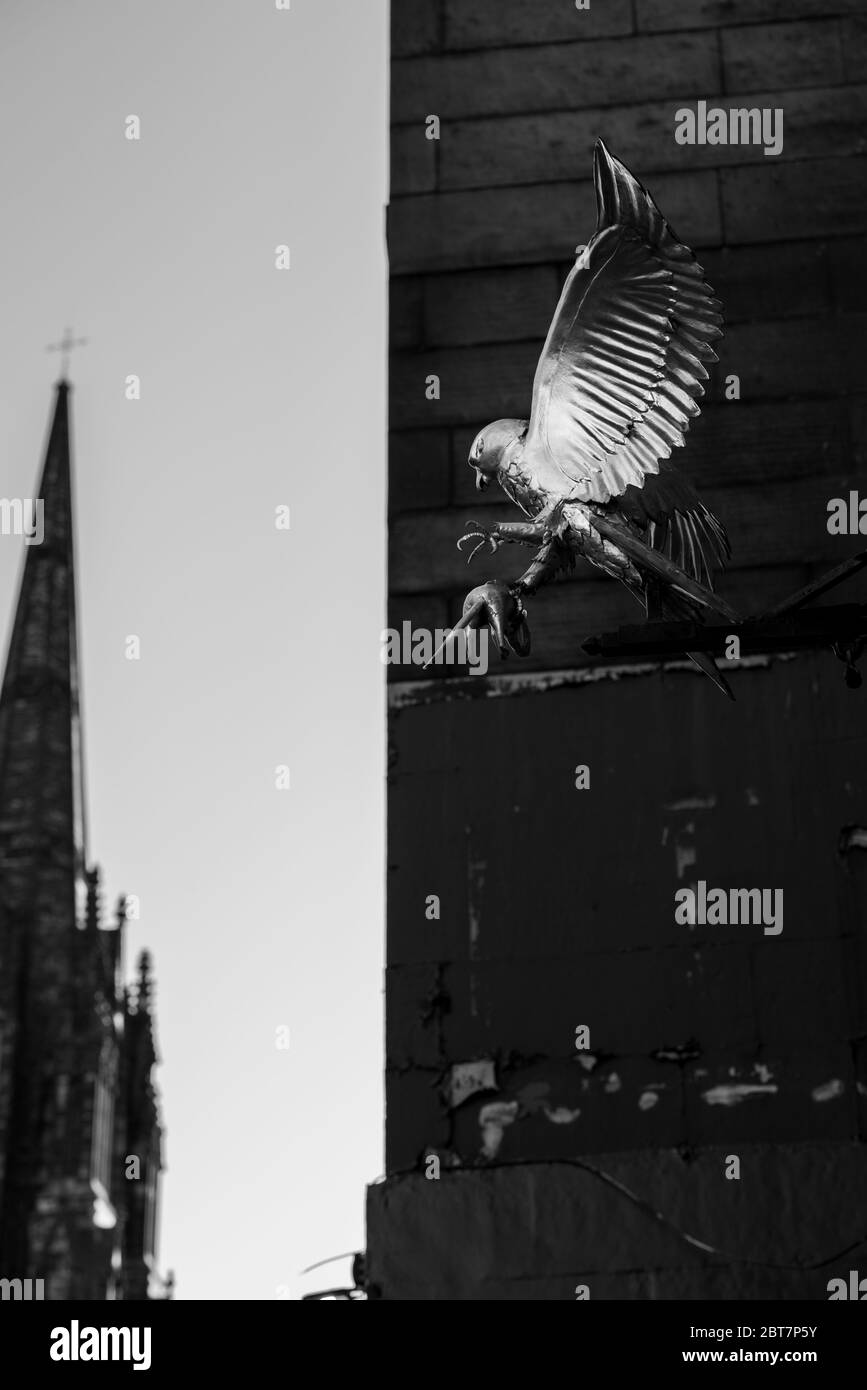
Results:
490 445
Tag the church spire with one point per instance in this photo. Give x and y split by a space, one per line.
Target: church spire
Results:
75 1078
42 815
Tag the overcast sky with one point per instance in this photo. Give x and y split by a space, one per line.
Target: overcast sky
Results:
260 388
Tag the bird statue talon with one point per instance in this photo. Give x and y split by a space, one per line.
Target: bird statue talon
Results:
484 535
497 607
494 605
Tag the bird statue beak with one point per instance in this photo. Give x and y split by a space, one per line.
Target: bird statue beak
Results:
481 481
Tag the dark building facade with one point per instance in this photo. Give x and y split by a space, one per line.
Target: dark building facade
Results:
526 1160
80 1134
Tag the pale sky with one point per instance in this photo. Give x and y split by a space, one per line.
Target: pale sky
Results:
260 648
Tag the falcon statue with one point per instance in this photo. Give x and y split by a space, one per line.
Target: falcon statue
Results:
619 380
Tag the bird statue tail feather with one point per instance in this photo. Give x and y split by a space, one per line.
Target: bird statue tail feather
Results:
674 605
664 597
647 559
706 663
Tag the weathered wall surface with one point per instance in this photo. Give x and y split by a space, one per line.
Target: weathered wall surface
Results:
558 909
557 904
624 1226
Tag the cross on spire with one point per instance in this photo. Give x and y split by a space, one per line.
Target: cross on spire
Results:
66 345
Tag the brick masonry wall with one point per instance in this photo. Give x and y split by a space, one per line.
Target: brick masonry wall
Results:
557 906
482 224
557 909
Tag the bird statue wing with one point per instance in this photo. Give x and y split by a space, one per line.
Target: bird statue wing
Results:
622 368
670 516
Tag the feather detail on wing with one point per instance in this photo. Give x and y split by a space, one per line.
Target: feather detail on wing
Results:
622 369
669 515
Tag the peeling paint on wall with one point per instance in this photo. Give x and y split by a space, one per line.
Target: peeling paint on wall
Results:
468 1078
493 1119
736 1092
829 1090
561 1115
852 837
407 694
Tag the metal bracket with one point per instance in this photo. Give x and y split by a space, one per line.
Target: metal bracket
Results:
789 626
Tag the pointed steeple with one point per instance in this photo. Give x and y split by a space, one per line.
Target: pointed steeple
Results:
76 1091
43 889
42 819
